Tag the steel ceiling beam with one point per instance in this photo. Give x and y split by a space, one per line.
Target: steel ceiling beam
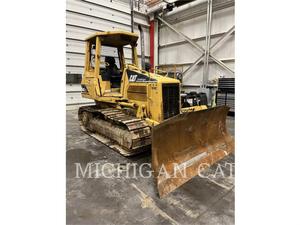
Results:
213 48
216 35
198 47
197 11
189 41
192 66
223 37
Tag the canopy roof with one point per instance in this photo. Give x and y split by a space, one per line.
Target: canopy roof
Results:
115 38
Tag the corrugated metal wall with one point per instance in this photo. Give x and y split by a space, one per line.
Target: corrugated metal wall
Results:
84 17
192 23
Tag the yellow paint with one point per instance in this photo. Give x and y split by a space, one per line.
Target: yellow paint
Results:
147 105
194 108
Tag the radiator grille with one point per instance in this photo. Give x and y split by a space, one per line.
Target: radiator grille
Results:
170 100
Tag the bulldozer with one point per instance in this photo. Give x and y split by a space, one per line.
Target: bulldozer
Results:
137 110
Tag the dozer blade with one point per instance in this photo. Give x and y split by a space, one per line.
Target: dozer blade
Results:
188 143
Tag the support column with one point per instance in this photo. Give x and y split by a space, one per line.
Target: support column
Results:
156 42
207 43
152 43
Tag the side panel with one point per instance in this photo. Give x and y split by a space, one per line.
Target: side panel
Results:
155 102
92 85
137 93
136 84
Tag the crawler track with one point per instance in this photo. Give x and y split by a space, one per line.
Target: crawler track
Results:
126 134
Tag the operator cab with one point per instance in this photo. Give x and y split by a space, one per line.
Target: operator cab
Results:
110 63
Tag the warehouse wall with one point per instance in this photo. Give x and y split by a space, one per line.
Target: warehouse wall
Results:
192 22
84 17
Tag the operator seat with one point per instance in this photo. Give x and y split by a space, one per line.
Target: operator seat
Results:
112 72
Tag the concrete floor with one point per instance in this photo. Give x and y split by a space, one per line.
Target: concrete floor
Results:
135 201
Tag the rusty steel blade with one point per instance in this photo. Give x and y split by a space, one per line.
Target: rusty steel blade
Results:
186 144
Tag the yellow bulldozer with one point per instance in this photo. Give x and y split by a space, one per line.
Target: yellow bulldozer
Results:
136 111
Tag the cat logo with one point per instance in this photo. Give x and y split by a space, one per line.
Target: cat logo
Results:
132 78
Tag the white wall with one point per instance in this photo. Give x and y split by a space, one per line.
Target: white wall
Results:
84 17
192 23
